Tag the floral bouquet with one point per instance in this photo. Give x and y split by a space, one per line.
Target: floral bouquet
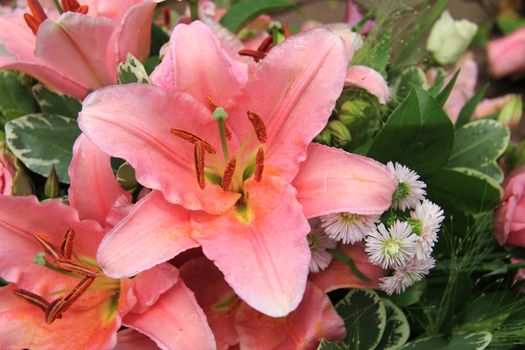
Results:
211 175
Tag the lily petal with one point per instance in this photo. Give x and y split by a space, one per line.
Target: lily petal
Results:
314 319
175 321
130 339
197 64
369 79
333 181
20 218
77 44
294 90
23 326
262 250
136 120
94 189
134 32
338 275
23 43
152 233
216 298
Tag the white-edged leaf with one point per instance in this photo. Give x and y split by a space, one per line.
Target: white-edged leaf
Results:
42 141
132 71
461 341
54 102
397 329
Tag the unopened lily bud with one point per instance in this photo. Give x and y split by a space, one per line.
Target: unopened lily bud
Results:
324 137
52 185
126 177
339 132
352 111
450 38
511 113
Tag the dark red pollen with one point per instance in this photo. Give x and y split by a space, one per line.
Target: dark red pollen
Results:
228 174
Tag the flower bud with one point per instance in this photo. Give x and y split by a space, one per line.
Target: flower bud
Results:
511 113
339 132
450 38
352 111
126 177
52 185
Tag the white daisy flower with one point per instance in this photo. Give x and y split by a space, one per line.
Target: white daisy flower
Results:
348 227
391 247
428 217
410 190
406 276
319 243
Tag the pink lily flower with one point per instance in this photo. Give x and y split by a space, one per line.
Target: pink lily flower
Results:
80 50
7 170
234 323
247 206
70 303
506 54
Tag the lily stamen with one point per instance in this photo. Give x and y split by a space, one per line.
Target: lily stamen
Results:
48 247
286 30
32 298
266 44
36 17
259 164
199 163
228 174
66 249
53 311
256 55
71 266
194 139
74 6
77 292
259 127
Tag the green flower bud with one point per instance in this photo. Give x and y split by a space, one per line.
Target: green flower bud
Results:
352 111
126 177
324 137
510 114
52 185
339 132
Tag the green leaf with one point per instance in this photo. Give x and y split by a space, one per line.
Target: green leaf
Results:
490 310
42 141
469 107
332 345
54 102
477 145
397 329
15 96
465 189
442 97
365 318
418 134
375 53
439 81
411 295
462 341
410 77
159 37
245 11
132 71
509 22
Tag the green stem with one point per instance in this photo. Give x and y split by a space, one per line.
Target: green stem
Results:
348 261
194 10
224 143
59 8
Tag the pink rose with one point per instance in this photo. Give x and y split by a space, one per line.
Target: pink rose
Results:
7 171
506 55
510 217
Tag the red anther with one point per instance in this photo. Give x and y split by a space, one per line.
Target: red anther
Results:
66 249
43 239
77 292
259 164
199 163
286 30
227 132
192 138
71 266
54 309
256 55
36 10
211 105
74 6
259 127
228 174
32 298
36 17
84 9
266 44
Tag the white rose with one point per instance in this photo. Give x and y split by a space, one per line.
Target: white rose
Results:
449 39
